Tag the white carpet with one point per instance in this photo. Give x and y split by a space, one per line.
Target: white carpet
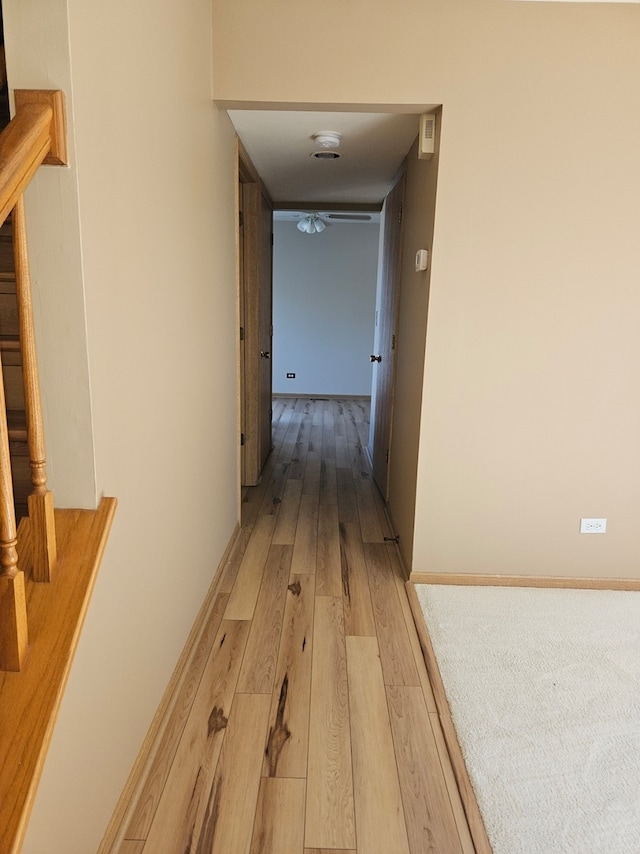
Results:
544 690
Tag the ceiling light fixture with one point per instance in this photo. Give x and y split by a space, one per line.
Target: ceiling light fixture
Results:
311 224
327 138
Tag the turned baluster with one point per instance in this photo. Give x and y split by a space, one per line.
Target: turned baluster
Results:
40 502
13 609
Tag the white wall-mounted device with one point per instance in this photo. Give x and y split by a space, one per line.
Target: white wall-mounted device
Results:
427 136
593 526
422 260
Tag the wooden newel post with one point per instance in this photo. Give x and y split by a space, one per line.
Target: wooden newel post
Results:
40 502
13 607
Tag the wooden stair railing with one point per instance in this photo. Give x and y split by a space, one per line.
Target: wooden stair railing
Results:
13 606
40 501
43 650
36 135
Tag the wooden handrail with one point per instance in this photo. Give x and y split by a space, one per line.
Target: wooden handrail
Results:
24 144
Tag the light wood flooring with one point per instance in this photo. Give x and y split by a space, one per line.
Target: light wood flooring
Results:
306 723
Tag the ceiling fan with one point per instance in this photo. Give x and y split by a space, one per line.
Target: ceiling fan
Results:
313 222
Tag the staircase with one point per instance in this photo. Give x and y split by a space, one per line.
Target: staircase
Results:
49 564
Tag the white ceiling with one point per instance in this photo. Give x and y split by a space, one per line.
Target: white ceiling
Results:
280 145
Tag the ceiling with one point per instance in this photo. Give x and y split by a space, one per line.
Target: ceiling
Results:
280 145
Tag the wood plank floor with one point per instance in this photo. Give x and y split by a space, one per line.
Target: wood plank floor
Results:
307 723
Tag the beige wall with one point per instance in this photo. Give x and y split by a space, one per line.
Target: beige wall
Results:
530 406
152 268
418 223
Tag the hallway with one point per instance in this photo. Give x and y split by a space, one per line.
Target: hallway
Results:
305 723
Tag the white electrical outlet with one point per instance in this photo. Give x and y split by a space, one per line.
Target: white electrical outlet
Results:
593 526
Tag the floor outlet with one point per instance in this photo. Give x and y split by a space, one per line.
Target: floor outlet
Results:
593 526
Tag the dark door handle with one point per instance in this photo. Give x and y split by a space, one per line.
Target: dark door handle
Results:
265 354
375 358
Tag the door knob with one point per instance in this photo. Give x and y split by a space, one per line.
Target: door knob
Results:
265 354
375 358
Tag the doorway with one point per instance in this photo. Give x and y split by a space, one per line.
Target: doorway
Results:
324 304
254 302
386 336
409 346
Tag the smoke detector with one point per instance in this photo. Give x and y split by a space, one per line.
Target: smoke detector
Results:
327 139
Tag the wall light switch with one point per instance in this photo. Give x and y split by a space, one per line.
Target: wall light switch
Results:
593 526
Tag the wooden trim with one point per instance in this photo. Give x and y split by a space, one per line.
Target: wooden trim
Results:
54 98
467 794
30 700
559 582
128 799
239 245
247 173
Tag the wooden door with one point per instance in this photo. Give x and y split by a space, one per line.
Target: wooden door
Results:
255 281
265 330
387 306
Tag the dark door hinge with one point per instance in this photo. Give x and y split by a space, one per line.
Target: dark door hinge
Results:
393 342
241 438
240 218
386 456
242 333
